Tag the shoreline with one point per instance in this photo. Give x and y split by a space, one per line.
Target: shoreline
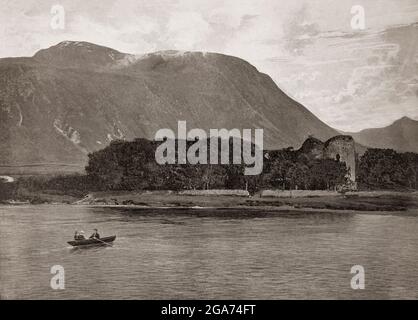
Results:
363 201
267 209
250 209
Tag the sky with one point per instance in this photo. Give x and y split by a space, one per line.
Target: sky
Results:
350 78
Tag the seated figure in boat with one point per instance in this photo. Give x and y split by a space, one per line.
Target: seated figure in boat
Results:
79 235
95 235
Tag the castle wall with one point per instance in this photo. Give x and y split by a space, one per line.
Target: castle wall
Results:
313 147
344 147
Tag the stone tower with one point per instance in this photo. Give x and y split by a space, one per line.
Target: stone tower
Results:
343 148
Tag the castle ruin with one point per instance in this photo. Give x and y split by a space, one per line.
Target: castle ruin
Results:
341 148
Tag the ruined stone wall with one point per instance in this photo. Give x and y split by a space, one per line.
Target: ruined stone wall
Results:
344 148
313 147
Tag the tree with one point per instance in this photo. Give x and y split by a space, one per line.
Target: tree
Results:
388 169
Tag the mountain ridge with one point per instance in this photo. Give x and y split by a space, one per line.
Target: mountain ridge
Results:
75 97
401 135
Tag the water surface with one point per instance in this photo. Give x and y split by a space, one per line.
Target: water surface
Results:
207 254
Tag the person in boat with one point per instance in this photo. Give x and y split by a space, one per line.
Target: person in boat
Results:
95 235
79 235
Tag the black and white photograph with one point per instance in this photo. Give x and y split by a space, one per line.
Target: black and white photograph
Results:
235 150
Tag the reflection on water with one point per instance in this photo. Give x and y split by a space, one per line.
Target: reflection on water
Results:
207 254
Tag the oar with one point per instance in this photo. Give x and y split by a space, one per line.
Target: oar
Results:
102 241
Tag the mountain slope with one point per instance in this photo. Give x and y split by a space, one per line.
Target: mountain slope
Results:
402 136
75 97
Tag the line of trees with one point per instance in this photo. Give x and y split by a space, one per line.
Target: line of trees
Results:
131 166
289 169
388 169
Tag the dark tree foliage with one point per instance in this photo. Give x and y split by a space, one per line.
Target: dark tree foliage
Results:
388 169
74 184
26 188
7 190
132 166
289 169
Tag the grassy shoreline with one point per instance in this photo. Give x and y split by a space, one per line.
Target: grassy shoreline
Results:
354 201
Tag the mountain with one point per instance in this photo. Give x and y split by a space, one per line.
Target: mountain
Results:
402 136
75 97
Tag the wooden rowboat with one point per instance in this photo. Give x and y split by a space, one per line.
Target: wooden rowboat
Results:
93 241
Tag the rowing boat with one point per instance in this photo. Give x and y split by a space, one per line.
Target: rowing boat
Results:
85 242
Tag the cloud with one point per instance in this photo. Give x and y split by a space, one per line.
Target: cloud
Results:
374 71
299 32
186 31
